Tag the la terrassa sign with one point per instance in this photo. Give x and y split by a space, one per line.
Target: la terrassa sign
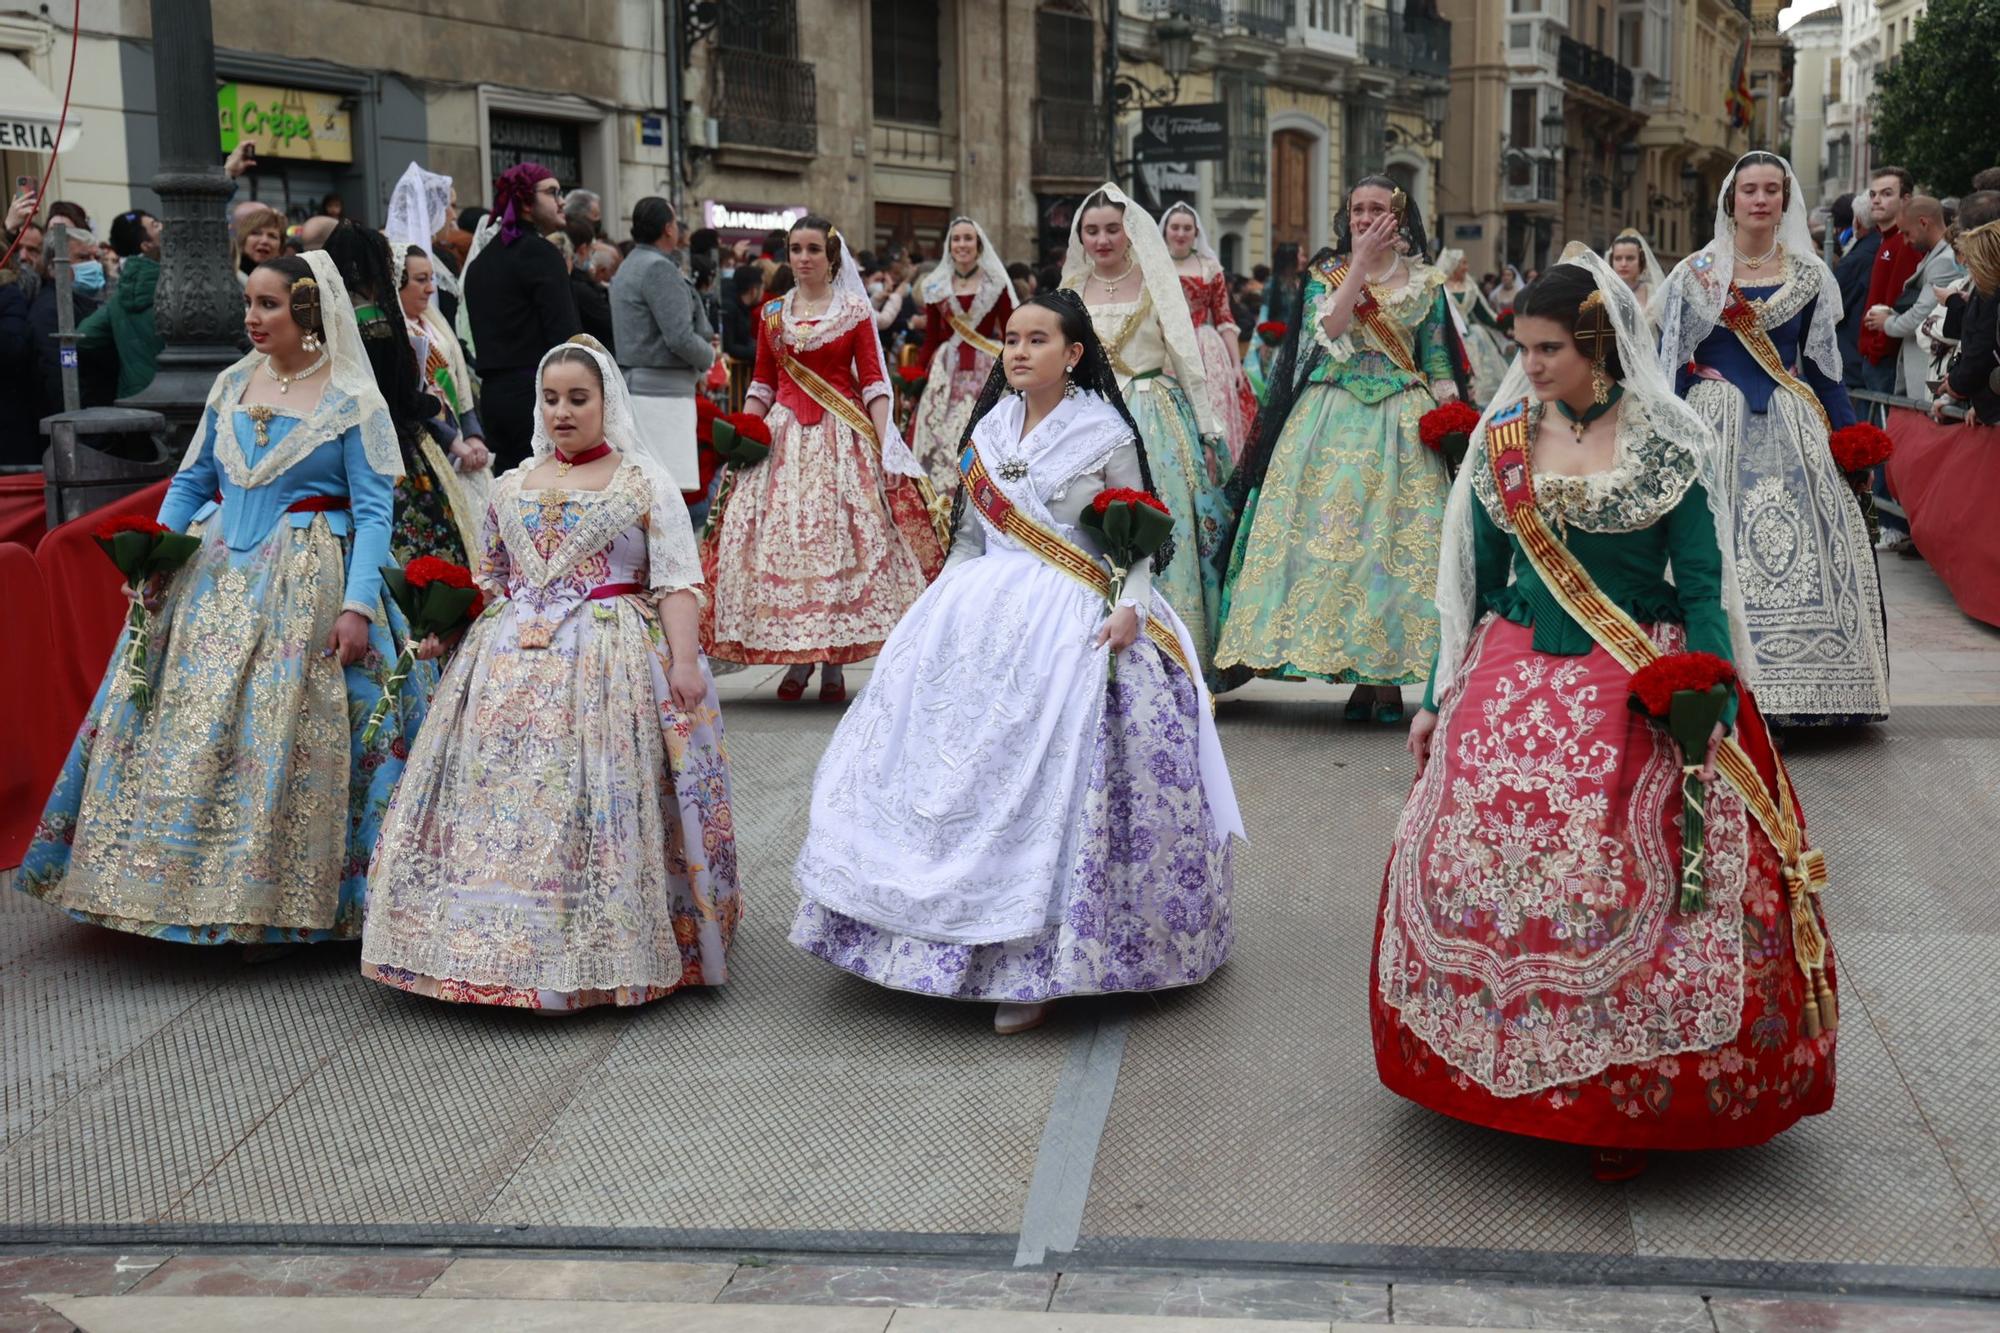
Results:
285 122
1182 134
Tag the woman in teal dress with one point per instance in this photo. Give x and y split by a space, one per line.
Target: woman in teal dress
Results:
1335 555
1120 265
241 804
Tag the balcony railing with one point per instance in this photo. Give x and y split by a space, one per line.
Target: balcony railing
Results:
1261 18
1069 138
1199 12
1408 42
767 101
1591 68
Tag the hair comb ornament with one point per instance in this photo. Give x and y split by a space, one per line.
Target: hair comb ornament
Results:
1593 323
304 305
1399 203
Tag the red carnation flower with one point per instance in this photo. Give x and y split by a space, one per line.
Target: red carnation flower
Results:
1861 446
1272 331
705 408
749 427
911 374
1445 420
1106 498
111 527
428 569
1654 685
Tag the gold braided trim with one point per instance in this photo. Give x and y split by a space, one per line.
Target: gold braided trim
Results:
978 341
1388 334
1065 555
1803 868
1741 318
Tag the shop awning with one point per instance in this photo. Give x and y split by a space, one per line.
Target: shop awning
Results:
30 113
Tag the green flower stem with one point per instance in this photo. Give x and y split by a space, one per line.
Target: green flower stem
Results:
405 660
138 688
1694 891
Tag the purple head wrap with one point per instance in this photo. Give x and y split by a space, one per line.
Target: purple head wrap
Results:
514 198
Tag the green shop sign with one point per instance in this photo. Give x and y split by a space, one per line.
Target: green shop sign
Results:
285 122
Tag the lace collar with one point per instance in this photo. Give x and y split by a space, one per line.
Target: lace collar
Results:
336 412
1648 477
625 499
1799 284
1079 436
843 312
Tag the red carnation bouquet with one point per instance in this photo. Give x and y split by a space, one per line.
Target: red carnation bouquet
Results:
1687 693
1447 430
436 597
911 380
1857 451
743 440
1130 525
142 549
1272 331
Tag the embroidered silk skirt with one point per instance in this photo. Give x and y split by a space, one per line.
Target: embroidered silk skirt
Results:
241 805
563 837
1336 558
1188 472
812 557
1804 563
992 821
1489 362
1534 971
943 413
1229 393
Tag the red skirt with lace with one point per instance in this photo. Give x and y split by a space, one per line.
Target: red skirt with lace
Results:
1533 969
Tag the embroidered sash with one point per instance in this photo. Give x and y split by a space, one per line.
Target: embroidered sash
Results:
1618 634
964 329
1743 320
1388 333
838 403
1065 555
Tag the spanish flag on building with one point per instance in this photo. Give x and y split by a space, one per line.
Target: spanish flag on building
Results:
1741 102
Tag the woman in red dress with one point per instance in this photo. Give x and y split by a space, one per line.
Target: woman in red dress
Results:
967 299
1539 967
1207 290
814 553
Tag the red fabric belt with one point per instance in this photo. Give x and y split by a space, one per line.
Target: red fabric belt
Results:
605 591
319 504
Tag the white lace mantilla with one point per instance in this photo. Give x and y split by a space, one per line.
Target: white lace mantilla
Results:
844 310
1648 477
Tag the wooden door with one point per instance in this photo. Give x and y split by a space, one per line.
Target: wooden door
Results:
1291 189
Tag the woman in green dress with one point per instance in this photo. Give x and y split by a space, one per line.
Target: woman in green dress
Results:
1334 557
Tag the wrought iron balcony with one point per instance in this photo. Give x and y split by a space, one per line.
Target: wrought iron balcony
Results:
1407 42
1586 66
767 101
1069 138
1261 18
1197 12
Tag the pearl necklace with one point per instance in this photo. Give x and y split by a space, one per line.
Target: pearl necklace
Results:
1110 285
1387 273
285 382
1760 260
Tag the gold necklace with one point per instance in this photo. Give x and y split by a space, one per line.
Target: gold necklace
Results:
285 382
1761 260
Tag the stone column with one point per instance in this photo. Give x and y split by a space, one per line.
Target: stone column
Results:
199 309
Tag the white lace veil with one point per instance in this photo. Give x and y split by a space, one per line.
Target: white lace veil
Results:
417 211
993 280
1649 393
1690 303
1202 245
359 402
896 455
670 544
1651 273
1163 285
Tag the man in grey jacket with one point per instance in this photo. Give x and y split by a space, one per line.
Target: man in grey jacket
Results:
662 333
1923 224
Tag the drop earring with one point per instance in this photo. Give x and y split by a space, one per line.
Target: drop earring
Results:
1600 384
309 343
1069 382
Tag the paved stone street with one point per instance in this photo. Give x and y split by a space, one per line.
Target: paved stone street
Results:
801 1139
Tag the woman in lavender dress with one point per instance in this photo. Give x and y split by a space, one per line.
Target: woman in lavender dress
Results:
997 818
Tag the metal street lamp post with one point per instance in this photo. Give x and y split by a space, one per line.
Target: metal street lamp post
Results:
199 308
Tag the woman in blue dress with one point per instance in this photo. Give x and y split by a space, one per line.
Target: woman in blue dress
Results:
241 805
1747 332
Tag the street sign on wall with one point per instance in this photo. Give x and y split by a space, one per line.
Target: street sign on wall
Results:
1182 134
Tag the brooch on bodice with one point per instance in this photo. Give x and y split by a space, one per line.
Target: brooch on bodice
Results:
1013 470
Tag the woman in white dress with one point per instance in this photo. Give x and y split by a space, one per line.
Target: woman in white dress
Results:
1631 258
1478 325
996 818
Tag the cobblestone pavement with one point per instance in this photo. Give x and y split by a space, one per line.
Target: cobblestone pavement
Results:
183 1132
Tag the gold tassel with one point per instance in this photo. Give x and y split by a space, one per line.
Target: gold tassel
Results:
1809 1014
1827 1004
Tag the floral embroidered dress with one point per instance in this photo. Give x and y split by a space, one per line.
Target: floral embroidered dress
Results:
956 365
563 837
1533 971
1810 591
1230 397
242 805
1336 554
992 821
820 548
1488 351
1188 467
